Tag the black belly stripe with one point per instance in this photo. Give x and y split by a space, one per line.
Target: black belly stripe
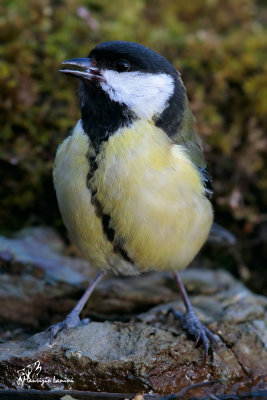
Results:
123 253
110 233
105 218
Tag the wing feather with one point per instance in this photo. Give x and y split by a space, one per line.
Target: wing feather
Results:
189 139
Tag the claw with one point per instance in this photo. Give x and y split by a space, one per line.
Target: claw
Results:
178 315
54 331
198 339
213 338
191 323
71 321
205 343
85 321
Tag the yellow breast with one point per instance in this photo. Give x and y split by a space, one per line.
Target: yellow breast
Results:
149 188
74 198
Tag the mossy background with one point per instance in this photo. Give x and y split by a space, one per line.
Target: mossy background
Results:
220 48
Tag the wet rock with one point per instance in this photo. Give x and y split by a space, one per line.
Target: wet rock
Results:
152 352
34 274
39 285
141 347
37 252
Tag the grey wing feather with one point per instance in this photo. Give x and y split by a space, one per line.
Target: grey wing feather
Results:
189 139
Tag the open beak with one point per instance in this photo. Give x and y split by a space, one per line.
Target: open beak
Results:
87 71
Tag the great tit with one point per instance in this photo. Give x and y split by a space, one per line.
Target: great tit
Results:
131 179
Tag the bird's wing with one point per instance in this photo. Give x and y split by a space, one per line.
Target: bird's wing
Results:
189 139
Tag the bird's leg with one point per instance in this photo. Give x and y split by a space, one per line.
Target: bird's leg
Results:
73 318
190 322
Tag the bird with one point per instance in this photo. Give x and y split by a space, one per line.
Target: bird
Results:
131 179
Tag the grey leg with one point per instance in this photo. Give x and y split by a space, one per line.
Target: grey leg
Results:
190 322
73 318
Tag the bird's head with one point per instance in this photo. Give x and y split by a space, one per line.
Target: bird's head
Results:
123 81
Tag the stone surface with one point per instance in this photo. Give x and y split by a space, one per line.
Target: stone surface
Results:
39 284
34 274
141 348
152 352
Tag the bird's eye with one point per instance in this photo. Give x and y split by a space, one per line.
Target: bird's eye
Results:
122 66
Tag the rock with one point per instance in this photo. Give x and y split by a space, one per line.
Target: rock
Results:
34 275
40 284
152 352
141 347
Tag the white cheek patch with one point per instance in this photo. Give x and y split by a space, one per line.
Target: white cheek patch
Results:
145 94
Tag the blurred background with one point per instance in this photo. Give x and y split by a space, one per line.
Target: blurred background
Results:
220 48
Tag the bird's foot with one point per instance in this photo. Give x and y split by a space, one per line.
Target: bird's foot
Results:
71 321
193 326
